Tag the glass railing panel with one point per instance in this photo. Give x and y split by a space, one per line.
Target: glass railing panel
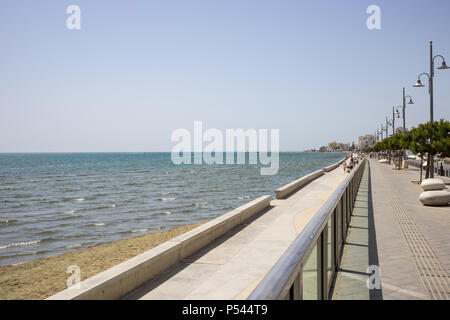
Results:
310 276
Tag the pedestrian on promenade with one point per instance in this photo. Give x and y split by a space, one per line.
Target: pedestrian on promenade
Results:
344 165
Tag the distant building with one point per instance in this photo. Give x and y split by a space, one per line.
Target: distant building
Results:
366 141
338 146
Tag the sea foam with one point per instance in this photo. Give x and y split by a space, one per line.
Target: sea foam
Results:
20 244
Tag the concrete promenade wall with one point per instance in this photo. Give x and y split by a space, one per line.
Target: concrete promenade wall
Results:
333 166
128 275
293 186
289 188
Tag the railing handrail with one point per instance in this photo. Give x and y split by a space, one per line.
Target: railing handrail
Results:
277 282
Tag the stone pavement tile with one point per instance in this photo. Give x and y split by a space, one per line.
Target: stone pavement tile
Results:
397 263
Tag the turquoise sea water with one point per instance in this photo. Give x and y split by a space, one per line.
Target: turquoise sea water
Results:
54 203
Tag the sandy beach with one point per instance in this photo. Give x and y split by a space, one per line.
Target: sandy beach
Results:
42 278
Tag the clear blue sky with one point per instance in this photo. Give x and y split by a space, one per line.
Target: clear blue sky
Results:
137 70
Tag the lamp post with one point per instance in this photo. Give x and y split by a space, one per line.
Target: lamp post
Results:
388 123
404 109
430 91
404 114
395 114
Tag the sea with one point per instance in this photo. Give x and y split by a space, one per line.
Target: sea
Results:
52 203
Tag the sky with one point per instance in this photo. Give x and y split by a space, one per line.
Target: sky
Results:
138 70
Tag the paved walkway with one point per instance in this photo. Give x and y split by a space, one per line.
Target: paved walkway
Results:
412 241
232 266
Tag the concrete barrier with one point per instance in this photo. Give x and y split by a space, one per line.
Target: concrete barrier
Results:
333 166
123 278
286 190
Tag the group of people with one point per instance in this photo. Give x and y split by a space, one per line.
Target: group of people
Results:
352 162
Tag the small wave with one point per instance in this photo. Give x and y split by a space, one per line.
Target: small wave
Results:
72 246
244 197
132 184
8 189
138 230
166 199
69 190
98 208
167 213
70 216
10 221
20 244
178 220
62 225
19 205
200 204
43 233
67 200
49 201
69 211
99 224
164 193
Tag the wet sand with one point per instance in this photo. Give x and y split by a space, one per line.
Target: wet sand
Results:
42 278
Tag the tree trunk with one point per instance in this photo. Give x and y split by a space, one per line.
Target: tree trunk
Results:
421 166
432 166
401 159
427 173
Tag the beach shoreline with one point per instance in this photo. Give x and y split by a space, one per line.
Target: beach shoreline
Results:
42 278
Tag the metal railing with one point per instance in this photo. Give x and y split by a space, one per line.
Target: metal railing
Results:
307 268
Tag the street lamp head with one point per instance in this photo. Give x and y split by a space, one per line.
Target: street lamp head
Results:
418 84
410 101
443 66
